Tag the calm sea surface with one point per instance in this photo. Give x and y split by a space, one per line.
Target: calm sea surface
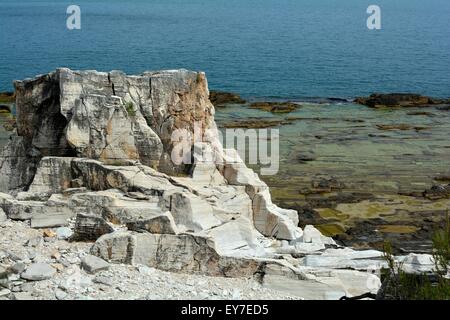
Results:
265 48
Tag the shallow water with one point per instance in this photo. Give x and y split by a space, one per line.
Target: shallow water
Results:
374 170
348 145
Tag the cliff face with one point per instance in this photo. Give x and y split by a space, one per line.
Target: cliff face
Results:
96 147
110 116
66 117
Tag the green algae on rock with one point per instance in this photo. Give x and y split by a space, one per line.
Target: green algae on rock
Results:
395 100
221 99
7 97
275 107
253 124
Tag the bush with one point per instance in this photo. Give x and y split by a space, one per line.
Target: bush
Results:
129 106
399 285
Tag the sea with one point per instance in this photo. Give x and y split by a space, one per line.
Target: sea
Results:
288 49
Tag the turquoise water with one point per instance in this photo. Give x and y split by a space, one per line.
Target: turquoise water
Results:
279 48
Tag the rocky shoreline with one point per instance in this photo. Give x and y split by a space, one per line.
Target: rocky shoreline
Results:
345 192
91 199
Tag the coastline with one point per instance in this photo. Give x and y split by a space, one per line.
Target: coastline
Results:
356 211
330 169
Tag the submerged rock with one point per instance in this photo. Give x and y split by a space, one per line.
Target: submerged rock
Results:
7 97
437 192
254 123
220 98
391 100
275 107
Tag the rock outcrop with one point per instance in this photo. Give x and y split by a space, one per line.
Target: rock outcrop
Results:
378 100
96 148
220 98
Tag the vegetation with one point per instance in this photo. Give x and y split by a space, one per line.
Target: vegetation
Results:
129 106
399 285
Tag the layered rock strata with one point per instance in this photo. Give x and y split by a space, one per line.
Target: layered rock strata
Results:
96 149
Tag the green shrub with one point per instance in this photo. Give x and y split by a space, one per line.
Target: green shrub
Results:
129 106
399 285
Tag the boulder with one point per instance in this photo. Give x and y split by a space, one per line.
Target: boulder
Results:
92 264
162 251
90 227
417 263
38 272
117 247
63 233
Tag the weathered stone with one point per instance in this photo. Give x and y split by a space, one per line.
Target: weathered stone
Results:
51 216
210 217
198 256
23 296
24 210
64 233
5 199
162 223
18 164
38 272
18 267
35 241
273 221
346 259
60 294
3 272
312 235
236 238
4 292
162 251
53 175
236 172
90 227
92 264
115 247
417 263
3 216
101 128
189 210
